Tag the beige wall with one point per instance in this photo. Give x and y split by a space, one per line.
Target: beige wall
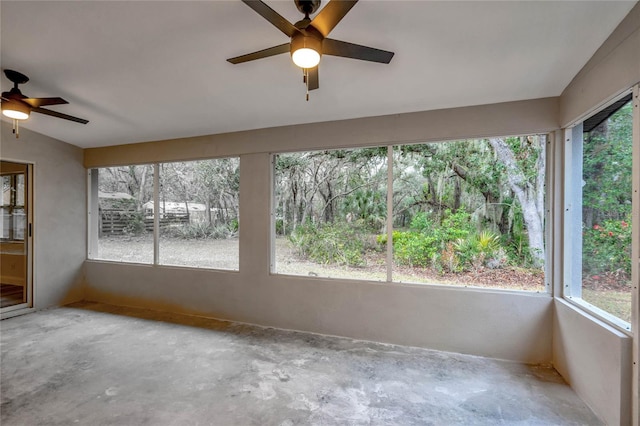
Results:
59 228
596 360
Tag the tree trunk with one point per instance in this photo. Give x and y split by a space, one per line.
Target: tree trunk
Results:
531 198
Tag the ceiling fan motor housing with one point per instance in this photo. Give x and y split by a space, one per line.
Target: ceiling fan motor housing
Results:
307 39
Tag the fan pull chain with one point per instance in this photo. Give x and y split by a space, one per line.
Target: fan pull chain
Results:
306 80
16 128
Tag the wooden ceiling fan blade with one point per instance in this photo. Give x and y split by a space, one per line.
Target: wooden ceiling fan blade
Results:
59 115
272 16
355 51
331 14
265 53
314 81
38 102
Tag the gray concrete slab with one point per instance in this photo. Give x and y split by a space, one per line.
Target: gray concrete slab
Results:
95 364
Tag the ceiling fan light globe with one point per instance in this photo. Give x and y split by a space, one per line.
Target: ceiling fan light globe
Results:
15 110
306 57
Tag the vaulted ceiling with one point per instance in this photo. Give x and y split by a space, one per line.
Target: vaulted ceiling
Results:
152 70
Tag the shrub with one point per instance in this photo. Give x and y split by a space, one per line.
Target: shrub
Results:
421 222
607 247
414 248
331 243
198 230
478 251
427 244
134 223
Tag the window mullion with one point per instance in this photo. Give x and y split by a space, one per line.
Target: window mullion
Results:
390 213
156 213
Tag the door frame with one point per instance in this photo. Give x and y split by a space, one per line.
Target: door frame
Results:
28 306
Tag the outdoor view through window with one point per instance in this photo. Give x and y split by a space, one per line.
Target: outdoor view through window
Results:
606 214
464 213
330 209
198 213
125 230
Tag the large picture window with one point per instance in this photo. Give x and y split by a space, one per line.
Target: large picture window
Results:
469 213
598 220
195 208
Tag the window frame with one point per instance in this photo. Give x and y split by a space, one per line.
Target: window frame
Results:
549 182
572 242
93 215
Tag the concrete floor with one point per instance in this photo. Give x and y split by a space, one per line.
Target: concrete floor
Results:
95 364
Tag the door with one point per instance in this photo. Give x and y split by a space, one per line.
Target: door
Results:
15 237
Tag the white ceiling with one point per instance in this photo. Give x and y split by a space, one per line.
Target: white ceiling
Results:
152 70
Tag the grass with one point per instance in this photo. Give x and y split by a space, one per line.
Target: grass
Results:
617 303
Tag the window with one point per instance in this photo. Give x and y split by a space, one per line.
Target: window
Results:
471 213
466 213
125 228
330 210
598 217
199 213
196 207
13 211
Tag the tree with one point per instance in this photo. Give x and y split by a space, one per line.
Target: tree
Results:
525 172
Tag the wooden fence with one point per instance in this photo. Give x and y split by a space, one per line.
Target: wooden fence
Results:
117 222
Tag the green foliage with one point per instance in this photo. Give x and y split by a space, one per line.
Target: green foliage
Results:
426 243
134 223
330 243
477 251
607 167
283 228
516 243
366 205
199 230
421 222
414 248
455 225
607 248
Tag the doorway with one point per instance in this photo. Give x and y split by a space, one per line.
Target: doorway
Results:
16 237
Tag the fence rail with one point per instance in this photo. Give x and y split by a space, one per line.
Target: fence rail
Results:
117 222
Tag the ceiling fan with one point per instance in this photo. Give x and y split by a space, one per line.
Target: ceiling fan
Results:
309 39
17 106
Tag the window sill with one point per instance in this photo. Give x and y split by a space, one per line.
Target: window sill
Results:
600 314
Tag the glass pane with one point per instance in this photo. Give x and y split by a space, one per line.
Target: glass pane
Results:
6 222
13 247
330 212
19 223
7 186
20 190
125 228
199 213
470 213
606 214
